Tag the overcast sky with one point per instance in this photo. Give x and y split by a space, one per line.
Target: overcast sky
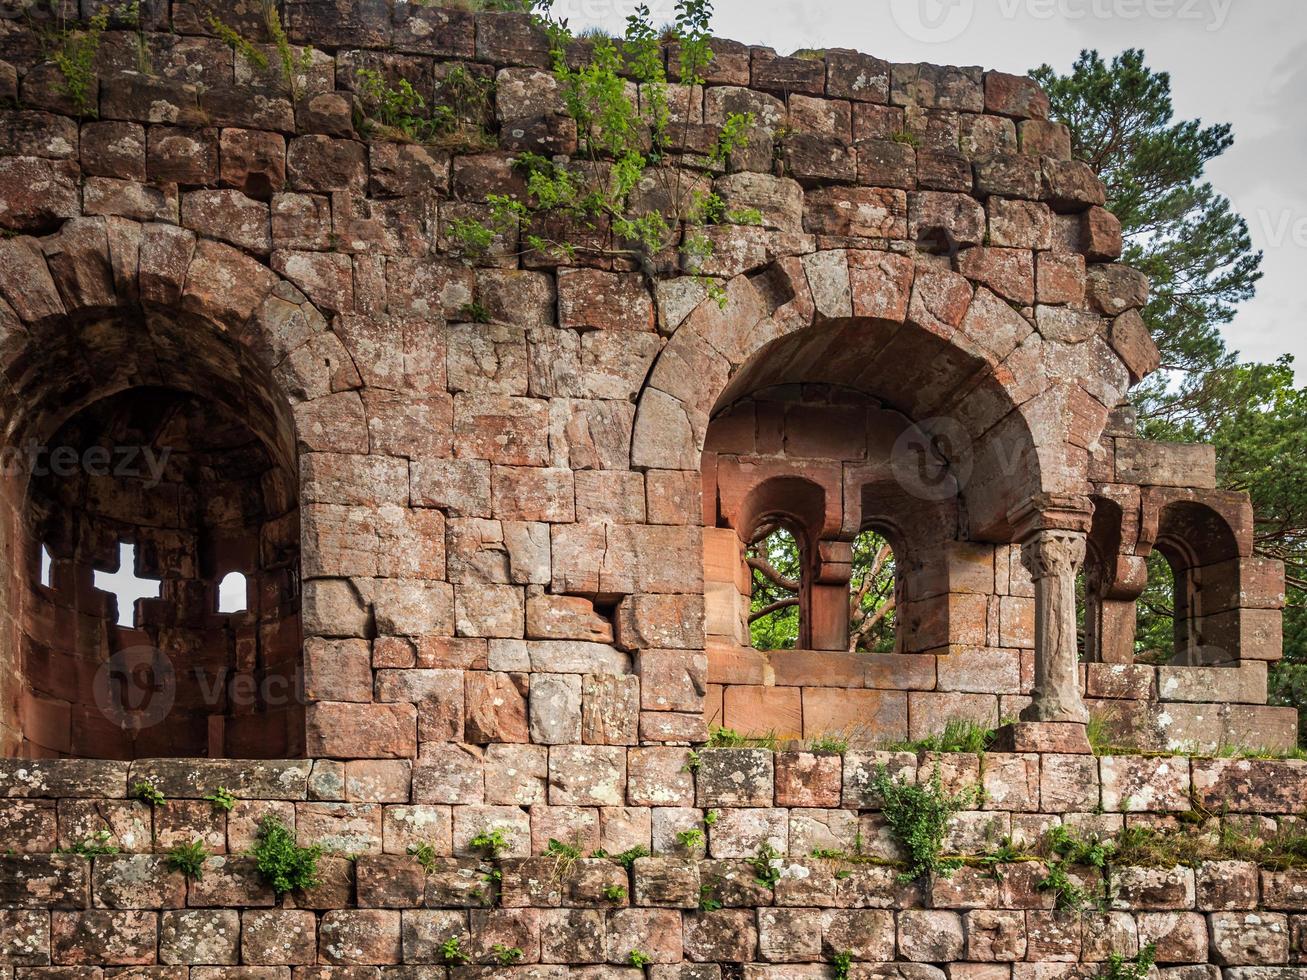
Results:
1237 61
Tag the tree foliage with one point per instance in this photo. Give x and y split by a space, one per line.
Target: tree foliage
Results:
774 563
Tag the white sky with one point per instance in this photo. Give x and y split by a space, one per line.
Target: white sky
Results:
1237 61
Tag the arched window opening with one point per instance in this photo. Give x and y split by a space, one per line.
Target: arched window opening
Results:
1157 637
873 596
776 570
157 453
233 594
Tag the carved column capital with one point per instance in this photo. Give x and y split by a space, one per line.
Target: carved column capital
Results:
1054 554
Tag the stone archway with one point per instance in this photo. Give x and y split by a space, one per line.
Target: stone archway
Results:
125 336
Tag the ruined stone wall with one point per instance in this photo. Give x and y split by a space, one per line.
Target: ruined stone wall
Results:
377 913
522 485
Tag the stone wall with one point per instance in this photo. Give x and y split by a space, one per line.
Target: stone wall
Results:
493 514
377 913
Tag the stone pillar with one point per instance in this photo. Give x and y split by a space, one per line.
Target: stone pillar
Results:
1053 558
824 623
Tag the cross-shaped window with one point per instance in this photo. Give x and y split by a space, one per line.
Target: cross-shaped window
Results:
125 586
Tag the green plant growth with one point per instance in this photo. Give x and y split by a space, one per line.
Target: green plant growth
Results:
691 839
629 856
829 745
281 862
918 817
506 955
290 63
222 799
615 893
400 110
627 143
451 951
97 845
711 817
729 738
907 138
238 42
842 962
959 735
189 859
1066 850
74 53
1138 968
492 842
425 854
708 902
474 313
147 792
767 864
640 959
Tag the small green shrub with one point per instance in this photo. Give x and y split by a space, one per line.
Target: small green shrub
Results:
223 799
767 865
1139 968
97 845
238 42
492 842
708 901
474 313
907 138
918 818
290 63
281 862
842 963
425 855
711 817
189 859
147 792
451 950
628 857
615 893
640 959
690 839
75 56
959 735
506 955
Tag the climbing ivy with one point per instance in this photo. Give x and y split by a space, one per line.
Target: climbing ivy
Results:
628 141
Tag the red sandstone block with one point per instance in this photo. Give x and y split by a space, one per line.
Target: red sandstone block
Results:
103 937
809 780
760 710
360 731
589 299
862 716
278 937
360 937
